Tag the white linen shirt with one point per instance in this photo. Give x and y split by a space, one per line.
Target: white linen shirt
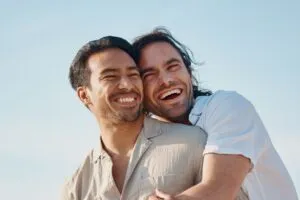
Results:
234 127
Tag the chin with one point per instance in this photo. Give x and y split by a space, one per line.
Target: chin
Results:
131 117
178 115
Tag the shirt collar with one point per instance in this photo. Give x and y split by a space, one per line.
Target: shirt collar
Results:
151 128
196 112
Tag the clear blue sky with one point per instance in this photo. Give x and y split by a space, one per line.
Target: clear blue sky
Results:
252 47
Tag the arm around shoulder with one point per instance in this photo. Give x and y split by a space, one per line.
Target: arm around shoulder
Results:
236 138
221 178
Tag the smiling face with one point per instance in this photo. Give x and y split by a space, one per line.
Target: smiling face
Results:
115 91
167 83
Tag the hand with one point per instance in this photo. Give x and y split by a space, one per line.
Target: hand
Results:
160 195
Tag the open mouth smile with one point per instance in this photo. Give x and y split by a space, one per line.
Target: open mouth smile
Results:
126 100
170 94
129 100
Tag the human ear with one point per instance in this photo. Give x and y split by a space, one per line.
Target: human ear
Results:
83 95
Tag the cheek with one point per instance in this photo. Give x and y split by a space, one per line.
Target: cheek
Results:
139 84
185 77
104 93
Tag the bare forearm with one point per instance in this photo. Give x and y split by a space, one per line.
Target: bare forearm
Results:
222 177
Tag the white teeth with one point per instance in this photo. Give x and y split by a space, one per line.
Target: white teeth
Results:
126 100
175 91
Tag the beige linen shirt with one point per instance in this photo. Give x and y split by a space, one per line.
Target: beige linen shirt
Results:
166 156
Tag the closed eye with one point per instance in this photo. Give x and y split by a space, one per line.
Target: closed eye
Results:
173 67
109 77
134 75
147 75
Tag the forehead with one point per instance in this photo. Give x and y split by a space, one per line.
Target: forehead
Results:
158 52
112 58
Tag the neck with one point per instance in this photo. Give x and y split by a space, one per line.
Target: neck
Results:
184 119
181 120
119 138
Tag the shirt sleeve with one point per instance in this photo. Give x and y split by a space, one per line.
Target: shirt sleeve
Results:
65 194
233 127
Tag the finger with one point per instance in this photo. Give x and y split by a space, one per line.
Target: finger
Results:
163 195
153 197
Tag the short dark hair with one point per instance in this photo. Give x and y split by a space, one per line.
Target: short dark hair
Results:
161 34
79 73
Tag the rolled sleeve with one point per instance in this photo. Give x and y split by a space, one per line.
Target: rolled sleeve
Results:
233 126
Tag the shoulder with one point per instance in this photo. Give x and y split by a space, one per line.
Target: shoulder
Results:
221 104
221 98
85 169
181 132
228 98
81 176
226 104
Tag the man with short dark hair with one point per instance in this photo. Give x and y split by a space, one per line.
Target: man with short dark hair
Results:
135 154
238 152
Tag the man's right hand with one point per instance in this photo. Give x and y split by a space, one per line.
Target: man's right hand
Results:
159 195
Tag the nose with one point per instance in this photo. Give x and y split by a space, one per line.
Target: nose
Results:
165 79
125 83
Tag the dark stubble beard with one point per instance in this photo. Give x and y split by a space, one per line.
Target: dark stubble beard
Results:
121 117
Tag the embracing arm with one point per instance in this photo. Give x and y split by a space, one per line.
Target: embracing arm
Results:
235 135
236 139
221 178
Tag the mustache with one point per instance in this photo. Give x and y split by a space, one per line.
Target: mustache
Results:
164 87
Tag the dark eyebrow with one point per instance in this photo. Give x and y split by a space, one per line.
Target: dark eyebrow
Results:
133 68
110 70
114 70
148 69
172 60
168 62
